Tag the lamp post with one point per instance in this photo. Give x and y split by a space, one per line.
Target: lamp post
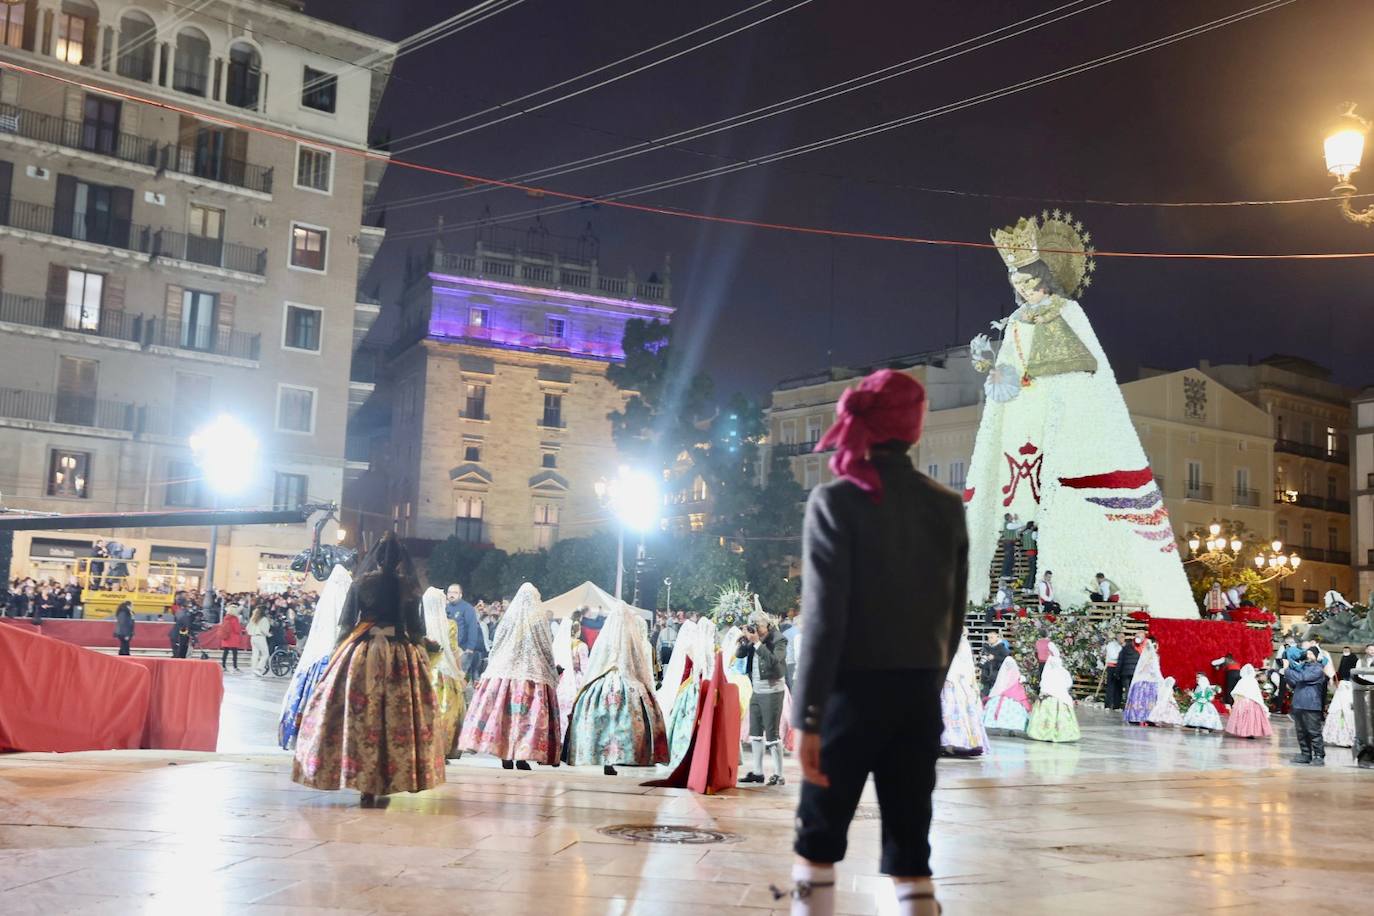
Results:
1344 150
226 452
1223 554
633 496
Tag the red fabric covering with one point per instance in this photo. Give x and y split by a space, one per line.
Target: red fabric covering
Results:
887 406
99 634
58 697
1188 647
712 759
183 705
227 634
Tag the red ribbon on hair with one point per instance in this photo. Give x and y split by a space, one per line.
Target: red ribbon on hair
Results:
887 406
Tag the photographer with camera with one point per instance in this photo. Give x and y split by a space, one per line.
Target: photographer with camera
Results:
1307 678
766 651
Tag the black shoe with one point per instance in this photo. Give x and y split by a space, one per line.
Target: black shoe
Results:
609 770
1318 761
752 777
507 764
776 781
1301 760
522 764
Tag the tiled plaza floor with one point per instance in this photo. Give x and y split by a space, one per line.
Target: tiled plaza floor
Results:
1129 821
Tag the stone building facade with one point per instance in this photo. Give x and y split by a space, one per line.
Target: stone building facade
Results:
1362 489
163 265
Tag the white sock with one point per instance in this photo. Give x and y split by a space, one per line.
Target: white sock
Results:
757 744
909 903
813 889
776 750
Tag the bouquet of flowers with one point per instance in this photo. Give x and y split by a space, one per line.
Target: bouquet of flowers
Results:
734 604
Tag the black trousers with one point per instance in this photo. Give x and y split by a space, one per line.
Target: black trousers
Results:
124 644
1307 723
224 658
181 646
899 744
1113 687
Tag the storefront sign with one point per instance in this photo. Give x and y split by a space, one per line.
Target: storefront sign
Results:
183 557
59 549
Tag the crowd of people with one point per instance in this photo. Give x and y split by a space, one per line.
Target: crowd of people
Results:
41 598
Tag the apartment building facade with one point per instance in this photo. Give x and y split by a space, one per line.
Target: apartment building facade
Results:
164 260
1362 491
498 395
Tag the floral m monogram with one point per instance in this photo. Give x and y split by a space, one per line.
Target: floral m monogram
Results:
1027 469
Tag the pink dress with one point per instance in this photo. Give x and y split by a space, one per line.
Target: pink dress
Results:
1248 719
570 684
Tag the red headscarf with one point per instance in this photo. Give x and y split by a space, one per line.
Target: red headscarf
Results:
887 406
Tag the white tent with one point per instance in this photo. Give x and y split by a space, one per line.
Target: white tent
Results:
588 595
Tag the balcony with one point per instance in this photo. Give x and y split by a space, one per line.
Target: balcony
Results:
71 410
1307 450
89 136
1312 501
794 449
212 340
58 316
1243 497
96 228
1287 595
1320 555
200 162
190 81
1309 596
1202 492
199 249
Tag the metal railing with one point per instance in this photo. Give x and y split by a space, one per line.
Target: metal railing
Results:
191 81
1245 497
91 136
138 64
548 270
97 228
213 252
1307 450
794 449
1198 491
59 316
1287 594
1309 595
1323 555
1312 501
203 339
203 163
69 409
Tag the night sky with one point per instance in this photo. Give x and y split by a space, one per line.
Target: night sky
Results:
1237 113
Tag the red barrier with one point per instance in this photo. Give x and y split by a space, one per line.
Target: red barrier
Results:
183 705
1187 648
59 697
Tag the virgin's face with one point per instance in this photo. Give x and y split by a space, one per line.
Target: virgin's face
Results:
1036 296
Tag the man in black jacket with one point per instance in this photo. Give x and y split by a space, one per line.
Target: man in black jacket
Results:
124 627
766 651
876 649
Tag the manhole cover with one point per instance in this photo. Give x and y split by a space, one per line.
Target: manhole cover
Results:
669 833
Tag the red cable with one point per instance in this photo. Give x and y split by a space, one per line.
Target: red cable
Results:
658 210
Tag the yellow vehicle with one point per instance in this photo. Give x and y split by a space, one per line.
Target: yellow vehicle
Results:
108 583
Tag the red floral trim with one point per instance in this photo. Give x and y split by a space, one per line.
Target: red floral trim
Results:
968 494
1113 480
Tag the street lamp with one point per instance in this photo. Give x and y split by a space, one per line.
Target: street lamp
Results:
633 496
226 452
1223 554
1344 149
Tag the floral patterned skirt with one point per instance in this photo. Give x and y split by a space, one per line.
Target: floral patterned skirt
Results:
513 720
616 721
1248 719
1004 714
1052 720
1140 700
682 720
303 684
370 724
1166 711
962 710
451 707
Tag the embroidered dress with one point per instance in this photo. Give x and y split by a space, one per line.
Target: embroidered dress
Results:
1203 713
1008 707
444 669
961 708
314 658
1249 716
1053 718
1144 692
571 680
1166 711
370 723
514 712
615 719
1339 728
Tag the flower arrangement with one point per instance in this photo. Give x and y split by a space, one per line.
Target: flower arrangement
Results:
734 603
1080 636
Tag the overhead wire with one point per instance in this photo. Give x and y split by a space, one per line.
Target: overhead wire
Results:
606 82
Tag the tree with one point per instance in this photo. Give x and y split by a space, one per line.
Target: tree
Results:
486 578
527 566
454 560
773 537
699 567
576 560
660 416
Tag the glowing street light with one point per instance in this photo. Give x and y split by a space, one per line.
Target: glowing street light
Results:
1344 150
633 496
227 453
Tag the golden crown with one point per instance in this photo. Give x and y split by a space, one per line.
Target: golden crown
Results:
1018 245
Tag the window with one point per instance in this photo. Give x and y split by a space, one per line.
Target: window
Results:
1307 432
1330 486
550 459
933 471
1194 480
1333 539
244 77
100 125
956 475
467 518
1332 447
319 90
314 168
553 411
68 473
1283 530
1242 480
475 405
183 484
811 475
302 330
698 489
472 452
556 328
192 63
308 247
198 319
289 491
12 23
137 46
85 292
76 387
1307 534
788 433
205 235
92 212
295 409
1306 481
545 525
76 25
479 318
813 429
191 402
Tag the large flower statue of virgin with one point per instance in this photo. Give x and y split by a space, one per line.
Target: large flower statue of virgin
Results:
1056 444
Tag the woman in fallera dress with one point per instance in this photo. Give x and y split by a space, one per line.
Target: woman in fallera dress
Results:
1145 686
370 724
1053 718
961 708
514 713
444 669
1339 728
573 659
314 657
1166 711
1008 708
1202 714
615 719
1249 715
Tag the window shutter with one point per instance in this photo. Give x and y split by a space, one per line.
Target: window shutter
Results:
224 317
122 206
172 311
74 104
57 294
63 205
113 297
30 25
88 43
